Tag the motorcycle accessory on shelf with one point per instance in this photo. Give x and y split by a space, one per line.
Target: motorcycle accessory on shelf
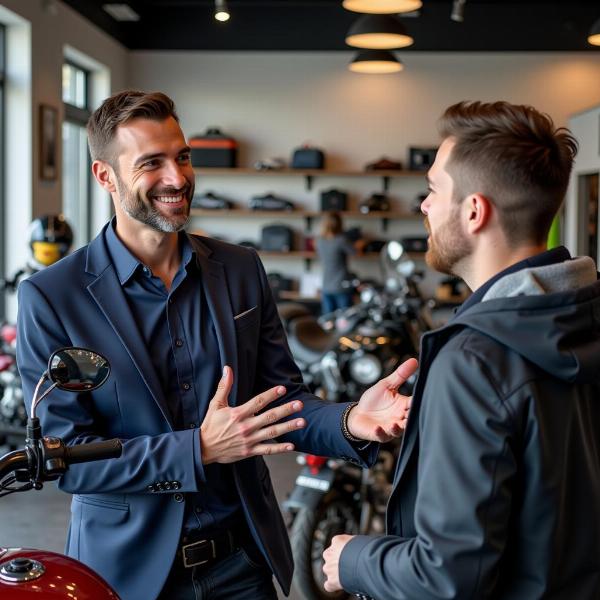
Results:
308 157
279 283
270 202
384 164
214 149
270 164
374 246
375 202
334 199
211 201
420 159
414 244
277 238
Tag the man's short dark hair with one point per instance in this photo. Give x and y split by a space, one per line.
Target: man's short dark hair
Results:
117 110
513 155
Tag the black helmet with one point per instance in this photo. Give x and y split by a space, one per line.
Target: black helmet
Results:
50 238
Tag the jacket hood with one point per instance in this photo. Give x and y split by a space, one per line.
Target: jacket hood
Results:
549 315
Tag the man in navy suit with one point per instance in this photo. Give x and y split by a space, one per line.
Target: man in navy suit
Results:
497 488
188 510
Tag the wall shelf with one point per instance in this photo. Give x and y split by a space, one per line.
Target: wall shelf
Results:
310 174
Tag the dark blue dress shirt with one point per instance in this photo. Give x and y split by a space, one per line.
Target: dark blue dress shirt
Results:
179 332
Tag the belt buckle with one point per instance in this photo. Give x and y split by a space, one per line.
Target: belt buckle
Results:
198 543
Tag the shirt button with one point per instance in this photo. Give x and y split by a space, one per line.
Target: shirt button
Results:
179 342
186 386
192 425
198 509
178 497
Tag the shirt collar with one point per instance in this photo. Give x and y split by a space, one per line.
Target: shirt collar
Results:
126 264
549 257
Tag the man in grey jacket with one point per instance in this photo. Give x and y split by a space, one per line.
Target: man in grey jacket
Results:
497 489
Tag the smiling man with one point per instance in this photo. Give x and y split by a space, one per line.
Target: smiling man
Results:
188 510
497 488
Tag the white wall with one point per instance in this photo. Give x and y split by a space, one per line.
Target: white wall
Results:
272 102
586 128
51 26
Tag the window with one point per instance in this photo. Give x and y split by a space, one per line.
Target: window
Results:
2 187
76 161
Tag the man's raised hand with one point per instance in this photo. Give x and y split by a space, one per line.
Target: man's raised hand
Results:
229 434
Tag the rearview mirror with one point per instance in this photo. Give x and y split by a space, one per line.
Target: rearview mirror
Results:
78 369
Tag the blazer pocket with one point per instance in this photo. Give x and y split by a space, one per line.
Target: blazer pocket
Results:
246 318
102 501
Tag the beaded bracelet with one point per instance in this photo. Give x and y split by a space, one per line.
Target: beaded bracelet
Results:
344 423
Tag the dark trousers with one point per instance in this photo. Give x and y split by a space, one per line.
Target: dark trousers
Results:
235 577
333 301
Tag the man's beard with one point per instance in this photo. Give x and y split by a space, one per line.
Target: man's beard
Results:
448 247
144 211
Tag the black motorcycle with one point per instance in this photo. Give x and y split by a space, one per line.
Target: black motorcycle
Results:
341 356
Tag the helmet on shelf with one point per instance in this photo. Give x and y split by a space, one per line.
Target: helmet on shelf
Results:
50 238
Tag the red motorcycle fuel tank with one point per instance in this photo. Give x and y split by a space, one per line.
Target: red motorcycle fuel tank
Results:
27 574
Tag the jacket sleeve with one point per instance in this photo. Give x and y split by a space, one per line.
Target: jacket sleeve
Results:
71 416
462 509
322 434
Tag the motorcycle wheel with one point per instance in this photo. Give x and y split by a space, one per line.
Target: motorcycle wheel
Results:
311 534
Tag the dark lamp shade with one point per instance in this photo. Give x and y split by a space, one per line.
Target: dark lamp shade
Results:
378 32
594 37
375 61
382 7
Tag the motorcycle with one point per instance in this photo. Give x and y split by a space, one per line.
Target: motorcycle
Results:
28 573
361 345
13 416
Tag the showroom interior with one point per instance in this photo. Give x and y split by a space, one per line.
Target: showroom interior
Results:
274 79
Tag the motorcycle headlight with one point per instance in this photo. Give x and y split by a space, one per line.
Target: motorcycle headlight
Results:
366 369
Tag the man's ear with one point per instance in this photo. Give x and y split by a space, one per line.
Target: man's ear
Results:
104 175
479 211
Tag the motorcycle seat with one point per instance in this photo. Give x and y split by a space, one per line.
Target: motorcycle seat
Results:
311 340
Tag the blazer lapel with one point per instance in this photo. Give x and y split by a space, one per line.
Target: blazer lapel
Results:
106 291
218 299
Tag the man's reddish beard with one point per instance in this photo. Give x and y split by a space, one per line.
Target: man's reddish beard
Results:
448 245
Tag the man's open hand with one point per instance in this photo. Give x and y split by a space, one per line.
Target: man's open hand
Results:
382 412
229 434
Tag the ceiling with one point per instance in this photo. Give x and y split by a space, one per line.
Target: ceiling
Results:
321 25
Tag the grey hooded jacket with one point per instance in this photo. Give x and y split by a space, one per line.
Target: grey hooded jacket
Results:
497 489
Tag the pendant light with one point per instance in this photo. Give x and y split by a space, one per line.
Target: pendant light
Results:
594 37
378 32
375 61
221 11
382 7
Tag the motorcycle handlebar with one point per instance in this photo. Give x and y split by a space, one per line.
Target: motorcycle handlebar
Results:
13 461
93 451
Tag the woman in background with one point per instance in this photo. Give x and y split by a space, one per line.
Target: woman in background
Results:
333 249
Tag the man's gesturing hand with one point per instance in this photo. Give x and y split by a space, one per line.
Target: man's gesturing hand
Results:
229 434
382 412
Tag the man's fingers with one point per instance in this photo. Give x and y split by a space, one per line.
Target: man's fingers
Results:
402 373
259 402
268 449
271 432
224 387
273 415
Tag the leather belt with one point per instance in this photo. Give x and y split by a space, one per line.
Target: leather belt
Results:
206 551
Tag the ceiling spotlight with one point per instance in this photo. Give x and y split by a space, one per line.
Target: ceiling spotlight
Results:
378 32
382 6
375 61
594 37
458 11
221 11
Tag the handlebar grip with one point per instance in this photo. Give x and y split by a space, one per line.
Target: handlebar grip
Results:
93 451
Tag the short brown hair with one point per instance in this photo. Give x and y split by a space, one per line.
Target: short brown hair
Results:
119 109
513 155
332 224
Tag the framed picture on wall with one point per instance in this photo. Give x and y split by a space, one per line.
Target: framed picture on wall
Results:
48 142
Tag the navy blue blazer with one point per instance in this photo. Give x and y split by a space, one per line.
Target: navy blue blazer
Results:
122 525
